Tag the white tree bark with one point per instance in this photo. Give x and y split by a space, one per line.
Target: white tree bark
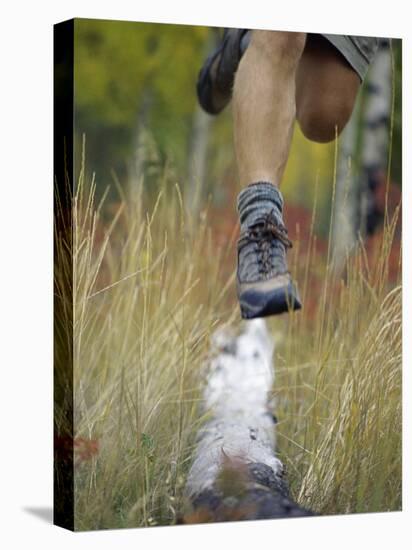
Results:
378 111
235 473
354 185
344 235
197 158
375 135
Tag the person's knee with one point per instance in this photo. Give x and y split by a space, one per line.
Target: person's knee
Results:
323 119
280 45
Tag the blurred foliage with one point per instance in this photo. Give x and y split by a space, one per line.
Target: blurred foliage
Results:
127 73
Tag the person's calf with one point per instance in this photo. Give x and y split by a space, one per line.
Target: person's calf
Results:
324 119
326 90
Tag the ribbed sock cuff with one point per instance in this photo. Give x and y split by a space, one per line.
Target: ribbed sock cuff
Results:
256 200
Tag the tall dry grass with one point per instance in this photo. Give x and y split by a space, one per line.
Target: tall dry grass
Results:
339 383
147 295
148 292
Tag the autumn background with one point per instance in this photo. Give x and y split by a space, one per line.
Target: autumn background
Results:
154 257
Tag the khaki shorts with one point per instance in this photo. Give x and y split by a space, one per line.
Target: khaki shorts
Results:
358 51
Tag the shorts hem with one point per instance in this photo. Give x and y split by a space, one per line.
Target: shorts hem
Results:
350 52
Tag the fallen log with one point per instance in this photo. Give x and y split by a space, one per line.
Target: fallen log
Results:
235 474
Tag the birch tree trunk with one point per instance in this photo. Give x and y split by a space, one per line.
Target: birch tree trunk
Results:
136 165
344 235
375 135
197 158
199 140
357 173
235 474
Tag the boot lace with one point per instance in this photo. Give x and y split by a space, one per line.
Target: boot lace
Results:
263 232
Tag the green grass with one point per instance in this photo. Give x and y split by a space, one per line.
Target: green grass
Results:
150 286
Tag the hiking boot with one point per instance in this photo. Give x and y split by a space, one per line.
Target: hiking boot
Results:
264 284
216 77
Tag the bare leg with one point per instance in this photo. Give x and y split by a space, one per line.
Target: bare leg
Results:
264 104
326 89
277 76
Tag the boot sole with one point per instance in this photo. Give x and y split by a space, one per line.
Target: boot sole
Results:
255 304
211 101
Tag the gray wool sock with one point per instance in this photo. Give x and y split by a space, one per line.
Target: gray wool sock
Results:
257 200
